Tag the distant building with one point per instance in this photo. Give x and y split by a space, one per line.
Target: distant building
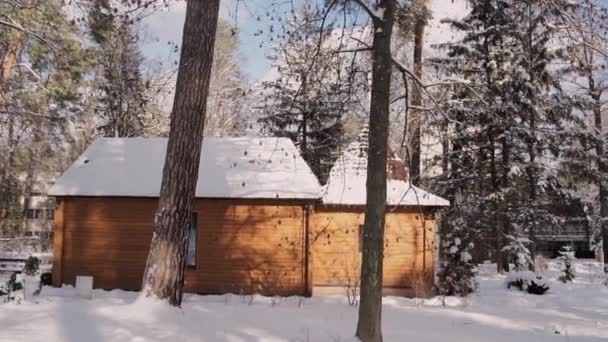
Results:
39 209
575 233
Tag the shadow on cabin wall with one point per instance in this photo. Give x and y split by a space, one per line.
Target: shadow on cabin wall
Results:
250 246
107 238
244 246
408 249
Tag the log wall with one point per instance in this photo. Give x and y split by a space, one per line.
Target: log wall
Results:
336 248
244 246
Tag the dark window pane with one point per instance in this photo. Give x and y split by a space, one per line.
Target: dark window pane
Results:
192 236
360 237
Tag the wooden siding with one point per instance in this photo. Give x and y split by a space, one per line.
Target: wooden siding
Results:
58 244
408 253
273 247
244 246
249 248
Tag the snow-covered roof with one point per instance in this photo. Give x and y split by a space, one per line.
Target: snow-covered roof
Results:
229 168
348 176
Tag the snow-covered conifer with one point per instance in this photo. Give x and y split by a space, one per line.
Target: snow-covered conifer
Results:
566 255
456 276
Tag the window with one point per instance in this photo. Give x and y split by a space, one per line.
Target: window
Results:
360 238
34 213
30 213
42 214
192 236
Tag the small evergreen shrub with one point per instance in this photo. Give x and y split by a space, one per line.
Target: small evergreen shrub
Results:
14 288
523 279
566 255
457 274
8 289
527 281
32 266
519 253
46 279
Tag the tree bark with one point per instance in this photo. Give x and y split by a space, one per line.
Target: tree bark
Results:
532 179
5 184
11 56
36 151
505 223
369 326
165 268
532 143
417 96
600 151
497 207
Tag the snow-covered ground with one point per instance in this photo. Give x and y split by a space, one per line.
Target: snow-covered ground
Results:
572 312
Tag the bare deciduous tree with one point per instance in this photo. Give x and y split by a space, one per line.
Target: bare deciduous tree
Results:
369 325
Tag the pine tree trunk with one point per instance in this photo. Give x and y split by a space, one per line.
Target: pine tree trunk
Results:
604 214
33 167
7 65
369 326
497 207
504 225
600 150
27 191
417 97
304 143
11 56
165 268
445 146
532 179
5 186
531 169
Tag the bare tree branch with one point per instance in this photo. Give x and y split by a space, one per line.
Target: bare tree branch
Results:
368 10
572 22
353 50
16 26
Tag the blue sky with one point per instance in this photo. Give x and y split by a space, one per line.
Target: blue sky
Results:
166 26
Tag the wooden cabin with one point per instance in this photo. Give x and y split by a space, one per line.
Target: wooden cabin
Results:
337 227
261 222
249 226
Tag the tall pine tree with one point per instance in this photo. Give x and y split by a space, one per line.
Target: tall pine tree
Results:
508 113
121 88
585 58
307 100
43 64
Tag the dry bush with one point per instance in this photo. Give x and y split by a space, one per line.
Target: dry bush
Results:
540 264
422 283
352 276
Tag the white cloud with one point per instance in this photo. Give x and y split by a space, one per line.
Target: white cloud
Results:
444 9
166 26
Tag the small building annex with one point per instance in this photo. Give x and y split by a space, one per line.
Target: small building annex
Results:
256 224
337 226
